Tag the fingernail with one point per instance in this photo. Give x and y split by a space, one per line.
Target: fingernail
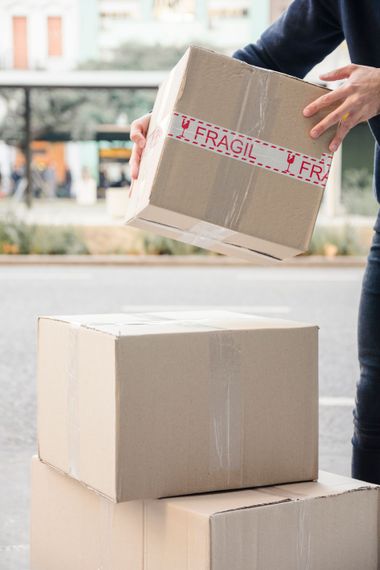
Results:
314 134
306 112
333 147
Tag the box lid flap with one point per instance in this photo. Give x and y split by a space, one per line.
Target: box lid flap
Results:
136 324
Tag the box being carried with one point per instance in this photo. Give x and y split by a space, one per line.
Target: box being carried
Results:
229 164
331 524
152 405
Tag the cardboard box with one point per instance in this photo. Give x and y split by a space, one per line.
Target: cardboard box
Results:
73 528
153 405
329 525
229 164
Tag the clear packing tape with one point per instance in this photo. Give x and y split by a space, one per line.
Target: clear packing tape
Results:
226 409
204 234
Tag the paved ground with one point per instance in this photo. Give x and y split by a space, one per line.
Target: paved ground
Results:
328 297
63 211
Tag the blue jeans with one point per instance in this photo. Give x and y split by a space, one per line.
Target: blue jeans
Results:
366 436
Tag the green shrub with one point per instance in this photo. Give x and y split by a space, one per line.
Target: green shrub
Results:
343 238
50 240
15 233
17 237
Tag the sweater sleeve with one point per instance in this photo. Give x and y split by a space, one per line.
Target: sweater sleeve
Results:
303 35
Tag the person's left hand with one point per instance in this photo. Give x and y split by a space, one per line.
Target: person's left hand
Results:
359 98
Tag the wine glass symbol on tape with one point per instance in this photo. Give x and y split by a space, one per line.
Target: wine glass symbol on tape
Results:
185 125
290 159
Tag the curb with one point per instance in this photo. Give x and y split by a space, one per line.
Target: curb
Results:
312 261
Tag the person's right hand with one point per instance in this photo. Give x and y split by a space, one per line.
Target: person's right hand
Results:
139 128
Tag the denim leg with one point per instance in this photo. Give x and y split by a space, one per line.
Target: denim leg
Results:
366 436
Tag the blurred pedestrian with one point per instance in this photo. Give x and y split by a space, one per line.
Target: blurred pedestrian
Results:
103 179
16 176
67 182
86 188
49 178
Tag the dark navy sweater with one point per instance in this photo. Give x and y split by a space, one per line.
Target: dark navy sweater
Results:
311 29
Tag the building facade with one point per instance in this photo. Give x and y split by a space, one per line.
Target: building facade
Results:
60 34
43 34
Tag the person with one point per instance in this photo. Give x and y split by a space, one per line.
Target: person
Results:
303 35
49 178
86 188
67 182
103 180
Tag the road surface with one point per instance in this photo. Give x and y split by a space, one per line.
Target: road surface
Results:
327 297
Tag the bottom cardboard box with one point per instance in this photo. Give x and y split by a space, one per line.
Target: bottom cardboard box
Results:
331 524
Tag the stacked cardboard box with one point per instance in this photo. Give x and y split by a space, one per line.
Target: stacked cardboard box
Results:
229 164
148 406
136 407
331 524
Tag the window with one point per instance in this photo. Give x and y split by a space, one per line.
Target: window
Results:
116 16
54 24
228 12
178 9
20 42
226 9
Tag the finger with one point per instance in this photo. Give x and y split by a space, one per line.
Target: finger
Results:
331 119
340 73
325 101
134 161
342 131
137 134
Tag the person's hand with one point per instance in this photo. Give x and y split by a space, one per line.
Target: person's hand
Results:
358 100
139 128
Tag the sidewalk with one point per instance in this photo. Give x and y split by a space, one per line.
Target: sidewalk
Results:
310 261
61 211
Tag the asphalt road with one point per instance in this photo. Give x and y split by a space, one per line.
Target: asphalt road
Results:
327 297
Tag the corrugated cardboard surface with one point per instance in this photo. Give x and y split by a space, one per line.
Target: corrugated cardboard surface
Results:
276 211
176 403
73 528
327 525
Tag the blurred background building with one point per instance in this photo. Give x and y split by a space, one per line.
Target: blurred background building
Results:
61 35
39 34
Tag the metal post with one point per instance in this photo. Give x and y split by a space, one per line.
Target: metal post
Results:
27 149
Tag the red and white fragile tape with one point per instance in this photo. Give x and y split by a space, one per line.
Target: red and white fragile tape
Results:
250 150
